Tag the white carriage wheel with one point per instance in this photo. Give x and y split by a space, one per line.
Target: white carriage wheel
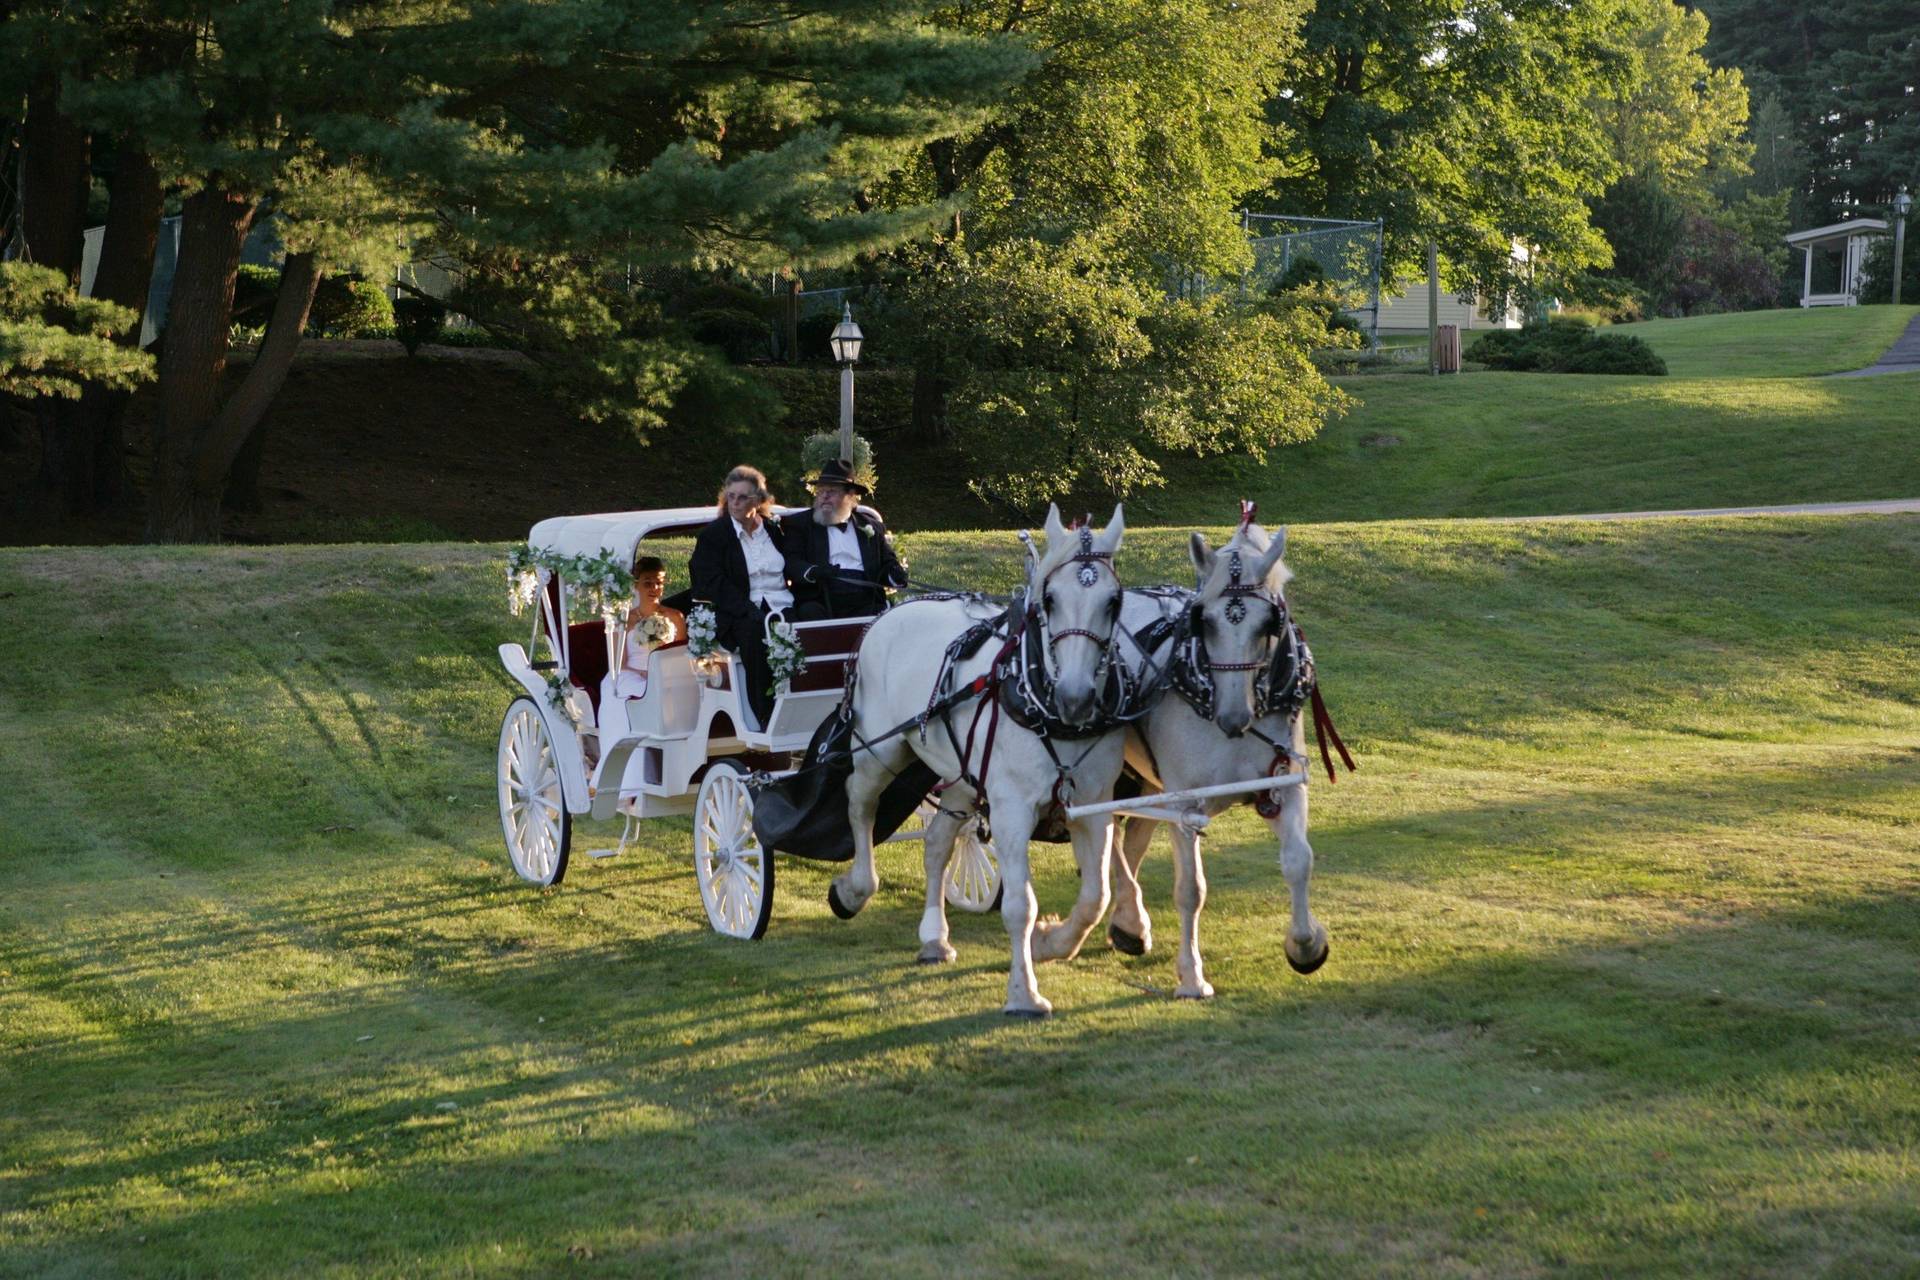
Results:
973 872
735 873
533 808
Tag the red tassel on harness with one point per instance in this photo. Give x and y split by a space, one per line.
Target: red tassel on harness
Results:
1322 730
1247 510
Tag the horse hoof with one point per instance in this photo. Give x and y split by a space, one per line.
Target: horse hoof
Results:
1202 992
1127 944
937 953
1308 966
838 907
1032 1015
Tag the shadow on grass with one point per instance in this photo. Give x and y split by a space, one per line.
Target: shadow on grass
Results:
822 1068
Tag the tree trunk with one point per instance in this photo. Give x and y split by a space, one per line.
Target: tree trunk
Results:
238 439
213 230
53 207
53 180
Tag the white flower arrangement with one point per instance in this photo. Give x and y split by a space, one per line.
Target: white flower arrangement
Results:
655 630
523 578
785 658
703 632
559 693
597 585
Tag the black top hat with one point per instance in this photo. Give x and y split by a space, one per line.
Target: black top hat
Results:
838 472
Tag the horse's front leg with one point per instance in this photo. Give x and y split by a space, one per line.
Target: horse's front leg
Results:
942 829
1092 838
1306 942
1013 828
1131 932
1189 895
850 892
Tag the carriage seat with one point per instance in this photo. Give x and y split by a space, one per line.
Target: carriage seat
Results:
829 646
587 641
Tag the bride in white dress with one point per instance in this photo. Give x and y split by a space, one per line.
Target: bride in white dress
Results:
649 624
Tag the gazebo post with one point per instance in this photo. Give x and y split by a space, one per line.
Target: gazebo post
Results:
1806 283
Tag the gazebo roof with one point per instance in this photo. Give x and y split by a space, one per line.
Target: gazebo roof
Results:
1838 231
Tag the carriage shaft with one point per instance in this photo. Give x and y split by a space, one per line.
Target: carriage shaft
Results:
1174 799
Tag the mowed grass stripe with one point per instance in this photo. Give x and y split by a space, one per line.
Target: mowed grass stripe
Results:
1619 977
1520 444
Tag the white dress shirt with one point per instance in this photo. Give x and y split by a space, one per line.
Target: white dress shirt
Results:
766 570
843 548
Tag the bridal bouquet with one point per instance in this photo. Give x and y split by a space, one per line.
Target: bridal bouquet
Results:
655 630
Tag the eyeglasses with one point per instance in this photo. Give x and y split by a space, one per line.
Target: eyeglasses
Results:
747 495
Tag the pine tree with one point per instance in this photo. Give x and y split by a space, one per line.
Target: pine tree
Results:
550 146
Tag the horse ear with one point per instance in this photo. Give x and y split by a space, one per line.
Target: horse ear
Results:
1056 532
1201 554
1268 561
1110 537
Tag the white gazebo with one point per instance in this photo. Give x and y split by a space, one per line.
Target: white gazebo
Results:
1833 258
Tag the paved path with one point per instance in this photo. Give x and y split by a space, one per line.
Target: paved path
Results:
1902 357
1897 506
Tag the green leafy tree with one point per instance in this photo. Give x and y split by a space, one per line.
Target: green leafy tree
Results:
1674 118
1471 123
1073 376
1044 340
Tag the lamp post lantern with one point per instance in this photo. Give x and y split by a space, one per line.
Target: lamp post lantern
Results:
1901 203
846 340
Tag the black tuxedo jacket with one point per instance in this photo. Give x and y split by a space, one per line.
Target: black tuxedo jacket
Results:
810 566
718 569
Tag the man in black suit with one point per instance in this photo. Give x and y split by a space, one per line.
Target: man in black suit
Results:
840 559
739 567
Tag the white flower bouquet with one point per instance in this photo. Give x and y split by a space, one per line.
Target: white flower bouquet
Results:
523 578
785 658
703 632
655 630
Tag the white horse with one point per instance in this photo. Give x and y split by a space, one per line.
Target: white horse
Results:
1073 600
1239 626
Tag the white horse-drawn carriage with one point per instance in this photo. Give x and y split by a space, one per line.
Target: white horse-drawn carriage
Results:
570 746
1024 711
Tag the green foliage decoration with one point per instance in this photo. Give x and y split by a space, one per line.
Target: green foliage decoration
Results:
597 585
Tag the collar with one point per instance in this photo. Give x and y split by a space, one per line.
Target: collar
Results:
740 530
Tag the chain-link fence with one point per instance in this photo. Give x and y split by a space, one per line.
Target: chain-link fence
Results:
1346 255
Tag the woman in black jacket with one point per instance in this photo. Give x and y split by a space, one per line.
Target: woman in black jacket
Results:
739 567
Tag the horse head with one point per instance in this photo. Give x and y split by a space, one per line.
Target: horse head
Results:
1073 587
1237 617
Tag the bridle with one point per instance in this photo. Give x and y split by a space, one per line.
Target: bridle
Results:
1236 593
1086 563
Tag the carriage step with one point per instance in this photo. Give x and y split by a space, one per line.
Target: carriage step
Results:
603 853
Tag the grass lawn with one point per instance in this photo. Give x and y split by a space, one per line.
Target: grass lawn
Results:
1484 444
1626 950
1788 343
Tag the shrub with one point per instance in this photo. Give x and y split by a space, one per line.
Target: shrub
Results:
1565 345
818 450
417 321
349 307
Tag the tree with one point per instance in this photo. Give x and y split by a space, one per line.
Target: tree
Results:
1465 121
1071 375
1846 73
543 145
1674 118
1040 327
